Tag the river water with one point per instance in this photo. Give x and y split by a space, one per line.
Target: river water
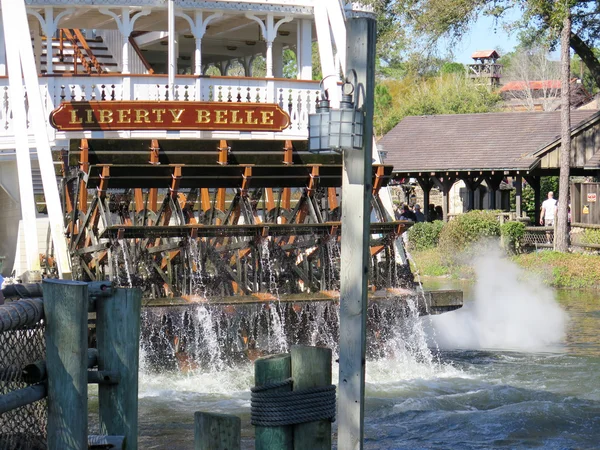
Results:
517 367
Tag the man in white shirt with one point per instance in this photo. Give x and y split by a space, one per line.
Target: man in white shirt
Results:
548 210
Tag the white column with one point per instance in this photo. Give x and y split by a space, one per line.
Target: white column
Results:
172 62
2 49
37 48
49 29
17 93
304 50
269 43
277 60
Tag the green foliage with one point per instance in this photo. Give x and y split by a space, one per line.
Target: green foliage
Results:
591 236
448 94
459 235
424 235
452 67
563 270
512 236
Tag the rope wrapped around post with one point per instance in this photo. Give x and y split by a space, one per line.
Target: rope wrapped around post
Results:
273 409
21 313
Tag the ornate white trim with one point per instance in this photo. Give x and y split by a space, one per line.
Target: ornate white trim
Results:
304 7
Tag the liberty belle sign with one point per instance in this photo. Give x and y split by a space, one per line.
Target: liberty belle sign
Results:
168 115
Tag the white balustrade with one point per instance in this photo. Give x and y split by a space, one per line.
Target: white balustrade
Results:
298 98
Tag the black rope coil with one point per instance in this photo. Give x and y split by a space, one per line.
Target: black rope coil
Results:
275 409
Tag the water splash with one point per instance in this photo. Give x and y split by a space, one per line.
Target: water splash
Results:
277 339
511 311
196 285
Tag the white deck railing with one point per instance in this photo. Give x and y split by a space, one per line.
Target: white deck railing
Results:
296 97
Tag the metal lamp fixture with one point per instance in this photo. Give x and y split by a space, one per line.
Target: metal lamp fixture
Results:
318 126
337 129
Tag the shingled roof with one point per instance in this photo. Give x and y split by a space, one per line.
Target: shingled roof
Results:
491 141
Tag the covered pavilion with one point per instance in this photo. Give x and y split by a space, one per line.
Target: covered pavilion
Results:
475 148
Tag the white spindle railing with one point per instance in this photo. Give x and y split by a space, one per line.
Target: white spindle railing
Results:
298 98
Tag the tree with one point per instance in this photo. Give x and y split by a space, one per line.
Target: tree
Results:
561 234
535 79
414 96
540 20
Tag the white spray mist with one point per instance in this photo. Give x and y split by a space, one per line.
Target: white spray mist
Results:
510 311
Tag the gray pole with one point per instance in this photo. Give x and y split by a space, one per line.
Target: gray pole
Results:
356 186
66 313
118 334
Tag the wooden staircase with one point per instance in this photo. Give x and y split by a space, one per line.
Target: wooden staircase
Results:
72 53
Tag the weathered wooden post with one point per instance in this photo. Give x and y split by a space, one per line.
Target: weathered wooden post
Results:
217 431
356 185
66 314
311 367
118 335
267 370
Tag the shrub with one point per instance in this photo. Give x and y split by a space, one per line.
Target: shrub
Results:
512 236
461 233
424 235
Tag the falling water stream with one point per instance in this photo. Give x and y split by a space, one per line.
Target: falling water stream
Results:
510 372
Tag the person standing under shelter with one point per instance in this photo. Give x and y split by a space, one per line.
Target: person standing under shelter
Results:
548 210
419 215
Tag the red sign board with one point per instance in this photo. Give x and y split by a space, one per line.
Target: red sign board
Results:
591 197
144 115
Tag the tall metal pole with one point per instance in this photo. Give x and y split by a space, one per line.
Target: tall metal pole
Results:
356 212
172 69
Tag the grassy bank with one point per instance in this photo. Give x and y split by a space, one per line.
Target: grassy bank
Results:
561 270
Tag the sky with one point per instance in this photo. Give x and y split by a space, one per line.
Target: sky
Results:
485 34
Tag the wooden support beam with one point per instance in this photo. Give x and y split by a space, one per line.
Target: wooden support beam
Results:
332 199
118 333
379 173
519 196
84 166
445 183
223 160
205 199
426 185
217 431
268 370
154 160
66 316
311 368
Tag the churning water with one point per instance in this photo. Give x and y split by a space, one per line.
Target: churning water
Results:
516 368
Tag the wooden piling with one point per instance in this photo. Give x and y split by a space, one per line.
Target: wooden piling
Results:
311 367
66 313
118 335
268 370
217 431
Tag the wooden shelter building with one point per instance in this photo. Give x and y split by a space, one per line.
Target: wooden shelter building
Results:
476 148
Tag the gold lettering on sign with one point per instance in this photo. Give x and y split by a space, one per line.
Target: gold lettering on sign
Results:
220 116
142 114
89 115
266 117
176 113
203 116
234 117
74 118
159 113
250 119
124 115
106 116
